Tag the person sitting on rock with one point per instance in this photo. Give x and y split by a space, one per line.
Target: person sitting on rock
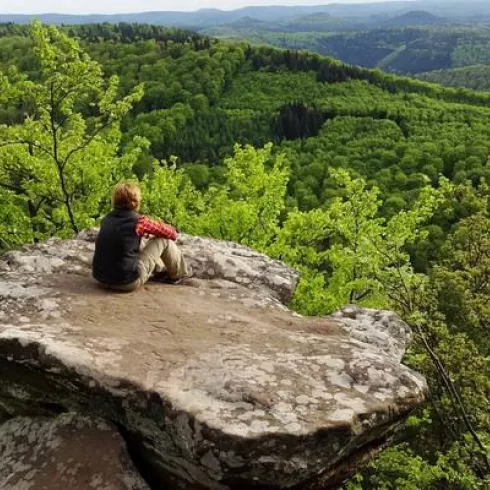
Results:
122 261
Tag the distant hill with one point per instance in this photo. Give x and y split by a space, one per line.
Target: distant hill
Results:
198 19
318 22
351 15
411 50
248 23
415 18
157 18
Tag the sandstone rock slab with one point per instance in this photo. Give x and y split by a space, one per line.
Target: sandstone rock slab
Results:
217 385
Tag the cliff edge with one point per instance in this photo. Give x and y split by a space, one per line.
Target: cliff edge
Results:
214 384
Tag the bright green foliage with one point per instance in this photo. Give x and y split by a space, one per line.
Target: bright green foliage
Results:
303 243
62 159
303 239
15 228
362 256
399 468
463 278
447 311
169 194
247 208
356 253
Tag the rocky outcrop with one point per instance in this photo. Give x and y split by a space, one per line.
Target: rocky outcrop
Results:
214 383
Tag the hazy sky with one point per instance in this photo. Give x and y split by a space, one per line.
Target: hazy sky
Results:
119 6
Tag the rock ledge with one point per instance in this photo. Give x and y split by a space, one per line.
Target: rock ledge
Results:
215 384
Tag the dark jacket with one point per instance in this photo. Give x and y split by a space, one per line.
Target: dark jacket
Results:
116 248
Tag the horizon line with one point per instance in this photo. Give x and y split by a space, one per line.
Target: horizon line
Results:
140 12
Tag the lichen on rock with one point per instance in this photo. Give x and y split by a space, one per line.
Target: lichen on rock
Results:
66 452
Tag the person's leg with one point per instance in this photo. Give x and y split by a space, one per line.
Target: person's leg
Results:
159 266
158 252
174 261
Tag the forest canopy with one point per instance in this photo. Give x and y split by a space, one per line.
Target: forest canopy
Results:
375 186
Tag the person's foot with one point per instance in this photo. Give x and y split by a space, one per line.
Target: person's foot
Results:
160 276
165 278
171 280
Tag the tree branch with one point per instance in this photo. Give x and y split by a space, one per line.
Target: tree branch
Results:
10 187
88 141
28 144
59 164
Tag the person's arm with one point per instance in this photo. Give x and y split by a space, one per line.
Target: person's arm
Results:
146 226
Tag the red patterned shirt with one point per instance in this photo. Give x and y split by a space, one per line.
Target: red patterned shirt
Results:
146 226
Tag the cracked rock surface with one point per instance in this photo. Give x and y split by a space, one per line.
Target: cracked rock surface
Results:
214 383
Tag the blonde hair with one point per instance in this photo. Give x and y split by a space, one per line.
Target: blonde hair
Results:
127 196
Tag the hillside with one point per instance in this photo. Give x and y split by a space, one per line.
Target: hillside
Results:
476 77
203 96
406 37
407 50
318 22
374 186
210 17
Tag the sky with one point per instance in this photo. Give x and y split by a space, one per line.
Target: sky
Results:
122 6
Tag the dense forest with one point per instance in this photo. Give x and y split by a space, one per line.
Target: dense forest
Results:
375 186
411 37
410 49
476 77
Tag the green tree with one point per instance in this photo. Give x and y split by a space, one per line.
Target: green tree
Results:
62 160
449 444
463 278
353 253
170 195
247 208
